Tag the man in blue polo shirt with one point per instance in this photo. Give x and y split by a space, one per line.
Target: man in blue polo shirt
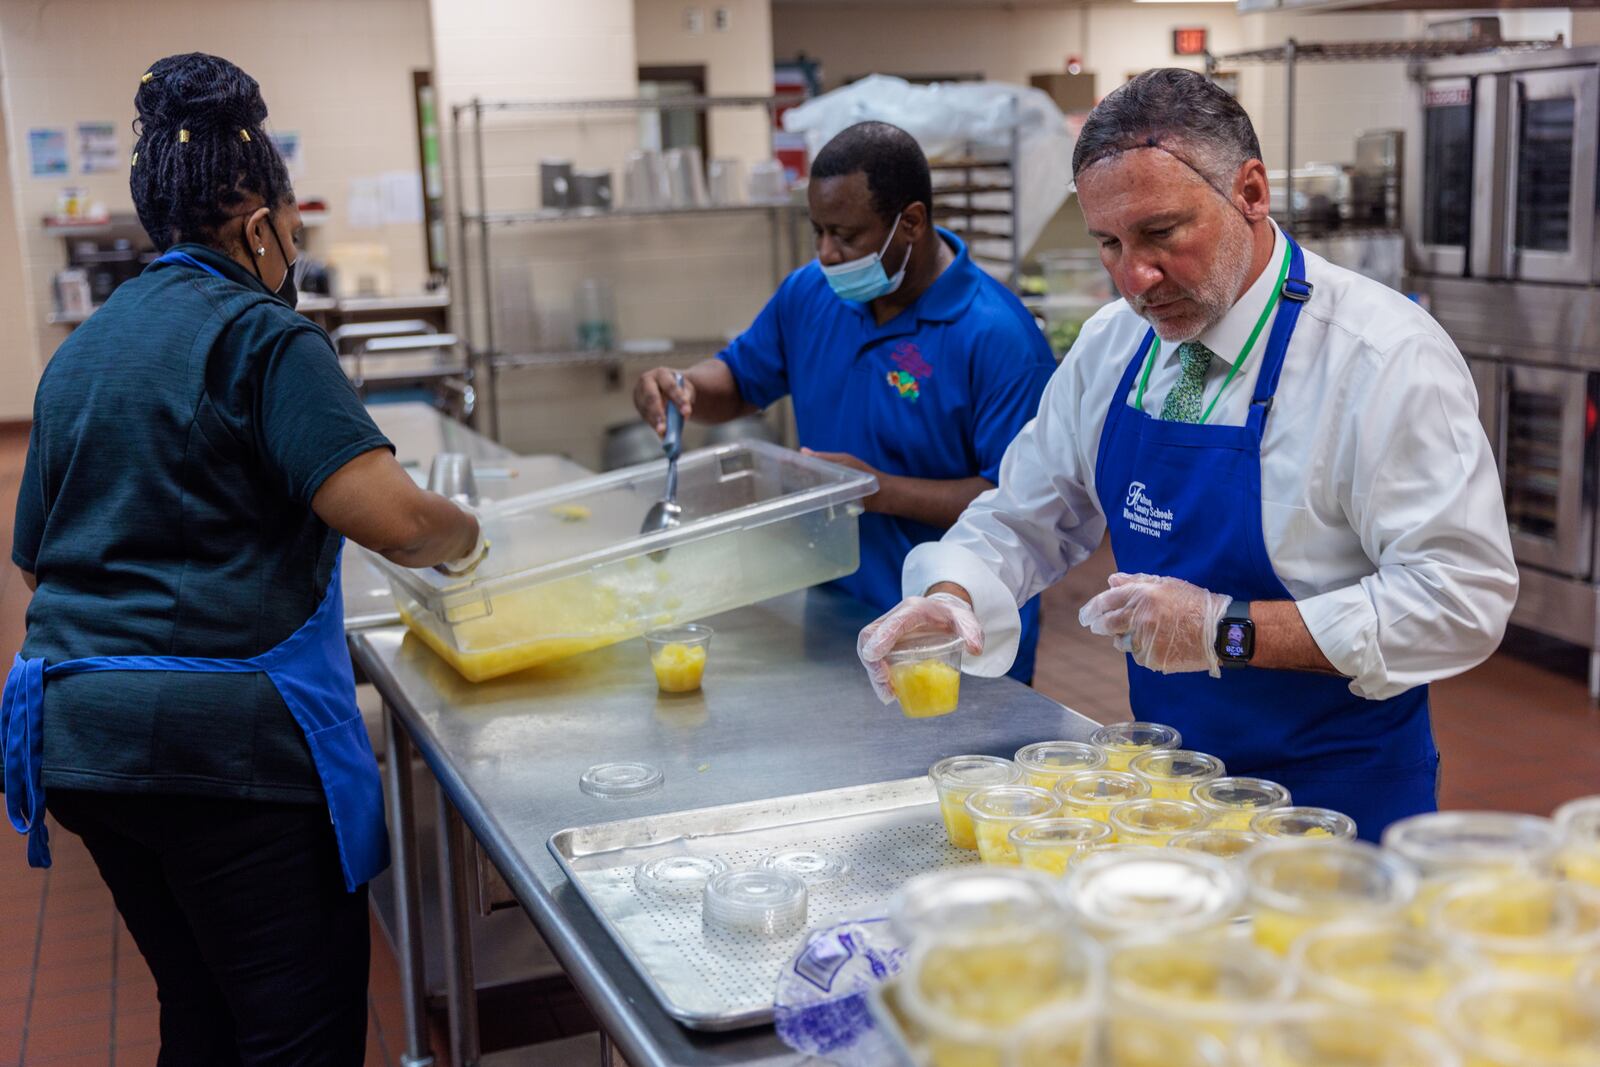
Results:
903 358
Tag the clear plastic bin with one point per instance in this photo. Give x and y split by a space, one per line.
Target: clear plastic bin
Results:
569 571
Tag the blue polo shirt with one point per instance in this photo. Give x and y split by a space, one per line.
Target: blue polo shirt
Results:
938 391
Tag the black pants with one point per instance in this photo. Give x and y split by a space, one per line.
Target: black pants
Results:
239 907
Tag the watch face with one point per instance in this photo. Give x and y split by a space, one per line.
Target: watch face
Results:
1238 640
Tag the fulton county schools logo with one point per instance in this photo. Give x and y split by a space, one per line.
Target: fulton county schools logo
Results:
1142 515
905 385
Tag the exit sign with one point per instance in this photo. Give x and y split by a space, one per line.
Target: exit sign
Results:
1189 41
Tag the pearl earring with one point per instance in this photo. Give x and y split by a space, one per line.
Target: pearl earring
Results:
261 251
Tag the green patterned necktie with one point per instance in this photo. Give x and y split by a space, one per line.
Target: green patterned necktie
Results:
1183 402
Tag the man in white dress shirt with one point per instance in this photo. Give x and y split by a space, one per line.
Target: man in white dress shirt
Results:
1287 457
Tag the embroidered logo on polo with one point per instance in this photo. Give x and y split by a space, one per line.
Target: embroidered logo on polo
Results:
907 381
1142 514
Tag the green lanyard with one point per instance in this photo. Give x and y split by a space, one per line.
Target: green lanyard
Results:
1266 313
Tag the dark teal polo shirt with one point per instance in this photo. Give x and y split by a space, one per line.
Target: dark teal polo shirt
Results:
178 438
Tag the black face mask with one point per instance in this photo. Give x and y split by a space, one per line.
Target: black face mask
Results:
287 291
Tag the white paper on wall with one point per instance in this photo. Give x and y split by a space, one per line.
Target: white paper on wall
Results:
365 203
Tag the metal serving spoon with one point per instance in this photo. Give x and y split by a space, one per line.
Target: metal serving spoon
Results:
665 513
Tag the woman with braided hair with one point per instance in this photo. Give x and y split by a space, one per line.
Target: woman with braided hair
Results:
196 459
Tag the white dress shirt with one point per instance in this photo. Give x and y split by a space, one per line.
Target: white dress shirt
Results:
1380 503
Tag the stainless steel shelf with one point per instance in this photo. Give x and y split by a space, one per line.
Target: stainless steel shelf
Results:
587 357
548 215
1371 51
69 318
679 103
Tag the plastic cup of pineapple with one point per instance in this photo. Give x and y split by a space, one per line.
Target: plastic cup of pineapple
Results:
1047 762
1092 794
925 673
1296 886
1447 846
1139 892
1233 802
970 989
1382 965
1119 1037
678 656
1224 844
1154 822
1502 1020
957 778
938 902
1122 741
1579 821
1049 844
1303 823
1211 985
1173 773
1521 923
1326 1035
996 809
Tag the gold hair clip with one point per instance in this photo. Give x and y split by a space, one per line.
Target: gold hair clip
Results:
135 162
146 76
244 135
183 136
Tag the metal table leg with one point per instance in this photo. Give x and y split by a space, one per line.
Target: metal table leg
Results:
407 891
461 992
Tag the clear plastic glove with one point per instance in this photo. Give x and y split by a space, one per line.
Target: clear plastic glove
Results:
458 568
1168 624
939 613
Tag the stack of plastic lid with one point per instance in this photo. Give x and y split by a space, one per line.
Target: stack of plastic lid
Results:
678 877
760 902
614 781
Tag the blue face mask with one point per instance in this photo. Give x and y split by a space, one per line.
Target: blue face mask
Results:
864 280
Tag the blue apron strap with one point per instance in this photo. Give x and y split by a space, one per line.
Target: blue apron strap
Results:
187 664
22 732
184 257
1296 291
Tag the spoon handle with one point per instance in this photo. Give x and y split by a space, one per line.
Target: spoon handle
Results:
672 443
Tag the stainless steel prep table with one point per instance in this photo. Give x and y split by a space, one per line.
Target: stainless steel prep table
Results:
785 710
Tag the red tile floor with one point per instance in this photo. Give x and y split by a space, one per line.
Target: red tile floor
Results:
1517 733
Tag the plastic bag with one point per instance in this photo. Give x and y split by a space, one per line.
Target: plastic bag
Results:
958 120
821 1003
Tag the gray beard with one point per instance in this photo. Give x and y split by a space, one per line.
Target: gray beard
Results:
1220 290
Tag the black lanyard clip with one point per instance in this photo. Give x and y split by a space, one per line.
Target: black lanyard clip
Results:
1297 289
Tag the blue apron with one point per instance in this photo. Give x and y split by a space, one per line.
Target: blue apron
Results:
311 672
1184 500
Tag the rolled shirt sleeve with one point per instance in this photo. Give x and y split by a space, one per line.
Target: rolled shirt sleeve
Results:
1414 475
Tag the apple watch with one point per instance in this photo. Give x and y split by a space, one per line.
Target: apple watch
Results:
1236 635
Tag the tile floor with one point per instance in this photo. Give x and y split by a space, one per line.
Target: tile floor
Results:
1517 733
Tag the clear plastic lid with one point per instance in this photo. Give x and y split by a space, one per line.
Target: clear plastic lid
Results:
1224 844
1153 892
927 645
1240 794
1177 765
1011 802
1303 822
766 903
1163 819
1463 841
1100 789
691 635
1136 736
1518 1020
677 876
972 897
965 773
1319 1035
1328 878
1055 759
808 864
612 781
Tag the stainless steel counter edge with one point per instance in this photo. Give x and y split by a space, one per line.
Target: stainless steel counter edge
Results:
615 1013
